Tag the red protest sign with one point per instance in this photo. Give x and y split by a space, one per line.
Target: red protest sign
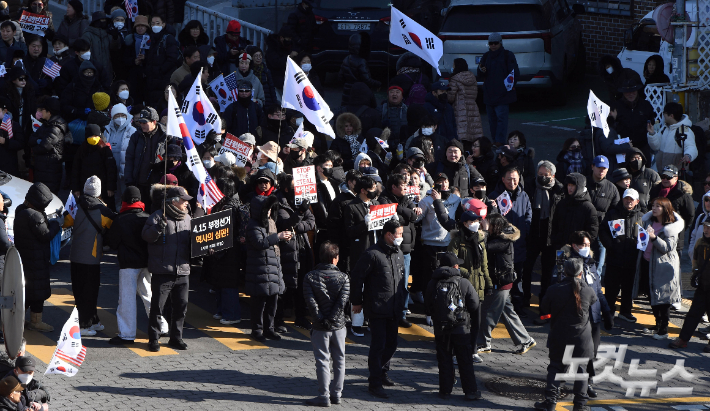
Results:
379 214
240 149
34 23
304 184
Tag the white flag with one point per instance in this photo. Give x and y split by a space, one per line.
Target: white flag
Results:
198 113
598 112
71 206
69 354
412 36
617 227
299 132
504 203
300 95
642 239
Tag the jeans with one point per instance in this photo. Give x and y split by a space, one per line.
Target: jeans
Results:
263 311
448 345
383 345
85 283
495 306
700 305
131 281
327 344
228 303
162 286
498 122
407 262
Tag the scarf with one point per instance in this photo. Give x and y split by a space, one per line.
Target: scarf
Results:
472 239
176 166
664 191
575 162
125 206
257 70
264 193
354 144
542 198
174 212
272 230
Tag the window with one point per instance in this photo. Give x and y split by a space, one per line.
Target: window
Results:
615 7
487 19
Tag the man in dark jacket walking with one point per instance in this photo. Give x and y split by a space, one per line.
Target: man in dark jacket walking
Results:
680 195
381 270
168 236
495 67
47 144
453 339
643 179
326 291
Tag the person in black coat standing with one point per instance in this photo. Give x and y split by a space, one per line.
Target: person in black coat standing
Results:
33 233
302 23
244 115
356 216
327 188
568 305
354 67
336 218
10 145
381 270
47 144
575 212
160 61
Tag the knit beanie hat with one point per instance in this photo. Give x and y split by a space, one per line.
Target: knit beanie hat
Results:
119 108
118 13
226 158
132 193
101 101
77 6
92 187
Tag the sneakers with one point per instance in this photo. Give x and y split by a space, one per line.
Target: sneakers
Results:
628 317
119 341
525 347
302 323
87 332
177 344
659 336
403 323
37 324
217 316
357 331
484 349
650 330
473 396
407 312
154 346
335 400
678 343
229 322
318 402
272 335
477 359
98 327
417 297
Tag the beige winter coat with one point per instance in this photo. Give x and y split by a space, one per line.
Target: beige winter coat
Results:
468 118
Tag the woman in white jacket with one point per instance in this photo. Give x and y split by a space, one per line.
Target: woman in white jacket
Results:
663 139
118 133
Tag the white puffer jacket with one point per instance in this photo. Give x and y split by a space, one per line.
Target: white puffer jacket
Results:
119 137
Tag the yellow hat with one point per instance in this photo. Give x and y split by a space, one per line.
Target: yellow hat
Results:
101 101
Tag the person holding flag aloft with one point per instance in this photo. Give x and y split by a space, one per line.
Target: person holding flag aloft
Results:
495 69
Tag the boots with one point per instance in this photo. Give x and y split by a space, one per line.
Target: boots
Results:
37 324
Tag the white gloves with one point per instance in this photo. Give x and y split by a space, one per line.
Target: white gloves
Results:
429 321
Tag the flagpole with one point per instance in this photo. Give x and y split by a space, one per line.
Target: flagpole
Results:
165 159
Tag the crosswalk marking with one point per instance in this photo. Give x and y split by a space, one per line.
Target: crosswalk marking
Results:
230 336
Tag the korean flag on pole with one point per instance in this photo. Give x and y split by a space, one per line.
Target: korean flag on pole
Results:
411 36
300 95
509 81
598 112
198 113
504 203
642 240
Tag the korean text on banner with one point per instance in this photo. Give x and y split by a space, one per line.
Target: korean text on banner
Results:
598 112
304 184
34 23
212 232
379 214
241 150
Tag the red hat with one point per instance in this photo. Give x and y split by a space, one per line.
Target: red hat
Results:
476 206
234 27
396 88
169 179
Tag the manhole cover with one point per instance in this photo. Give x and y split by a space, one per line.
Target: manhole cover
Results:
520 388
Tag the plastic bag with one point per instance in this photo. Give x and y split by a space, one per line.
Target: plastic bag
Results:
77 128
54 247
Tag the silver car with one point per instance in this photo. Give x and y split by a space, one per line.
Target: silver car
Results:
544 35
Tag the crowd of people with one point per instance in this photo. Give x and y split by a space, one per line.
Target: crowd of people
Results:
472 213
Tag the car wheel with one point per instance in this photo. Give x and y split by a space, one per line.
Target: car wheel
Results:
580 65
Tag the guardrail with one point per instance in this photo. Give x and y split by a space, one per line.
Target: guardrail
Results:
215 24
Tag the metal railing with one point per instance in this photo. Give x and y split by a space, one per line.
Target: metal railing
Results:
215 24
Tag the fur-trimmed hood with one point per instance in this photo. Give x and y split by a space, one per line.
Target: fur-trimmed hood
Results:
259 209
240 173
511 233
347 118
685 187
670 230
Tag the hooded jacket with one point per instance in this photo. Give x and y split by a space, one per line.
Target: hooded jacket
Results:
520 216
664 141
380 270
658 76
33 232
119 137
96 160
462 245
257 91
87 243
574 213
642 180
696 230
77 96
354 67
621 249
343 145
364 105
169 249
469 296
468 118
681 198
664 264
263 273
498 66
501 255
326 291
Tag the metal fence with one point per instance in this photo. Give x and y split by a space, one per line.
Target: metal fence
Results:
215 24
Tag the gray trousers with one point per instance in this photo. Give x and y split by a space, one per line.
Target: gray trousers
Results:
499 307
327 344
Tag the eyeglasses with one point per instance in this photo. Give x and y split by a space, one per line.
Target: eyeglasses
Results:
22 79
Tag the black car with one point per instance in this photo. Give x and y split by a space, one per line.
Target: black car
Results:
337 20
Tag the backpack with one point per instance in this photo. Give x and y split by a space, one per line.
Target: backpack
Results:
417 93
448 296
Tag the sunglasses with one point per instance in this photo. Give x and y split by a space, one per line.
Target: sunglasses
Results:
707 183
245 91
494 43
667 178
22 78
707 200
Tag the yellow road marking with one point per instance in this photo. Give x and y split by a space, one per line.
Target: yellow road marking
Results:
415 333
562 406
231 336
39 345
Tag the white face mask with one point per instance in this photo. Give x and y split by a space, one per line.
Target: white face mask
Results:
473 226
306 67
428 131
124 94
157 29
299 121
584 252
61 50
86 56
118 24
24 378
210 60
119 121
398 241
208 163
610 70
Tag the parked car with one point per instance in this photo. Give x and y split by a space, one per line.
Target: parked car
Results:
337 20
544 35
15 189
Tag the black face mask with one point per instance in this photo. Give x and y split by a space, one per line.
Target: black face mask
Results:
372 195
328 172
575 150
418 164
635 164
294 154
479 194
544 180
274 123
443 98
244 101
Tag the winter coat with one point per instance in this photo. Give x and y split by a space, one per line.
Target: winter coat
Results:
336 221
22 109
498 66
395 118
364 105
303 26
142 154
257 92
354 68
604 196
8 150
668 151
165 8
74 28
567 324
169 249
609 148
444 115
631 120
119 138
501 255
180 73
462 245
620 251
186 40
160 60
664 264
6 52
326 291
6 404
47 145
702 214
270 131
435 148
240 119
644 179
87 243
520 216
590 275
100 43
541 229
117 52
125 236
33 233
701 253
275 57
320 208
486 166
681 198
438 218
263 273
267 83
469 297
34 67
459 174
70 71
295 253
94 161
468 118
407 217
225 58
380 270
356 228
341 144
574 213
223 268
77 97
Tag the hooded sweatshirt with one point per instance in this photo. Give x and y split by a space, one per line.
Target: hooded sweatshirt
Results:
257 92
574 212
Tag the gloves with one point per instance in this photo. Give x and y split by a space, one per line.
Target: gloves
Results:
429 321
39 141
87 110
367 218
305 204
162 223
488 292
608 321
388 158
399 152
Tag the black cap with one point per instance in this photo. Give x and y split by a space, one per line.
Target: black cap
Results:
131 195
92 130
148 114
478 181
670 171
25 364
449 260
178 192
440 85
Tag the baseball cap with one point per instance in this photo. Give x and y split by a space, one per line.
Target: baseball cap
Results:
298 143
469 216
630 192
440 85
478 181
439 176
169 179
706 223
449 260
414 152
601 161
148 114
476 206
178 192
25 364
670 171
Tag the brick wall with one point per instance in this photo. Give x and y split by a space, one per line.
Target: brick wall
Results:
604 34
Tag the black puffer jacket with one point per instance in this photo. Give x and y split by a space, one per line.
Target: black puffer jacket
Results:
642 180
405 211
501 255
354 67
326 290
604 196
223 267
169 250
296 252
381 270
141 154
263 274
574 213
47 149
620 251
96 161
125 235
468 295
631 119
33 232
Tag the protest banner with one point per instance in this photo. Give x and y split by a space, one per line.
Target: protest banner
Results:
211 232
304 184
241 150
34 23
379 214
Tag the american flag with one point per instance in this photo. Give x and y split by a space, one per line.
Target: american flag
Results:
51 68
131 9
231 82
210 192
7 125
78 360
